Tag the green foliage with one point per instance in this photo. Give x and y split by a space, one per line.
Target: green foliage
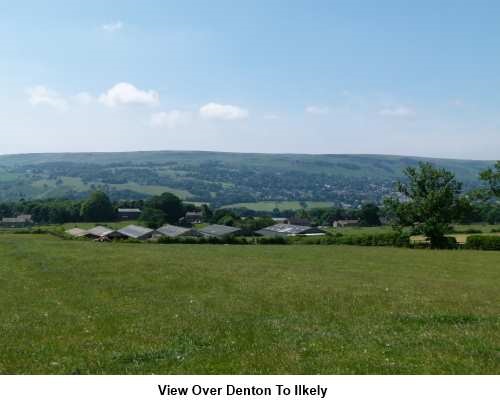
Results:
483 242
272 240
369 215
152 217
492 177
432 201
169 204
98 207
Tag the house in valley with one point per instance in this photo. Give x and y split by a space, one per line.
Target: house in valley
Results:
21 221
128 213
192 217
344 223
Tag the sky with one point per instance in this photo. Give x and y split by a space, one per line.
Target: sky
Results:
418 78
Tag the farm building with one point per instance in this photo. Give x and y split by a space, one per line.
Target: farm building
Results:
192 217
128 213
137 232
290 230
77 232
344 223
219 231
20 221
103 233
173 231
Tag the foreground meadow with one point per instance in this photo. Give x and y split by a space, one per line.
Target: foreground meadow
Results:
86 307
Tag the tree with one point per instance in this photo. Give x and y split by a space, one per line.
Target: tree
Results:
492 177
369 215
97 207
169 204
431 201
152 217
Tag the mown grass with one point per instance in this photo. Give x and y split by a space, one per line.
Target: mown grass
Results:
86 307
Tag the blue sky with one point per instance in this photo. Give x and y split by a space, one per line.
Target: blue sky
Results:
386 77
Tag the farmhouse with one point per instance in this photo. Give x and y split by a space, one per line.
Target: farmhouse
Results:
137 232
103 233
128 213
219 231
20 221
290 230
77 232
344 223
192 217
173 231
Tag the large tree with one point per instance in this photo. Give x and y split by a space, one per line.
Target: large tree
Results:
169 204
430 201
369 215
97 207
492 177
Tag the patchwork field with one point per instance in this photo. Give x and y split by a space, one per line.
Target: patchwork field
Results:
86 307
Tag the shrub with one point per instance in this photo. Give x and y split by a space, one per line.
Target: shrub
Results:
273 240
467 231
483 242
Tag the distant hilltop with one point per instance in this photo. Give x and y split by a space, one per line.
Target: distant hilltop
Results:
219 178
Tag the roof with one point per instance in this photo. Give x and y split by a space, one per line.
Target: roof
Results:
14 220
135 231
100 231
77 232
219 230
129 210
289 230
173 231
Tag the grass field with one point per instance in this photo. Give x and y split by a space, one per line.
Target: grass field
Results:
281 205
86 307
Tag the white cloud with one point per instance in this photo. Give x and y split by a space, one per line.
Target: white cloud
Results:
112 27
170 119
400 111
84 98
317 110
126 93
40 95
223 112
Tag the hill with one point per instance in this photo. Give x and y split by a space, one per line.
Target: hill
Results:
215 177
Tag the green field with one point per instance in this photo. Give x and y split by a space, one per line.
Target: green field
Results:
281 205
86 307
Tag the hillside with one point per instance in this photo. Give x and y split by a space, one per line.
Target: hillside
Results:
215 177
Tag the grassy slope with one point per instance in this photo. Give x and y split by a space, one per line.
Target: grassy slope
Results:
282 205
86 307
376 166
